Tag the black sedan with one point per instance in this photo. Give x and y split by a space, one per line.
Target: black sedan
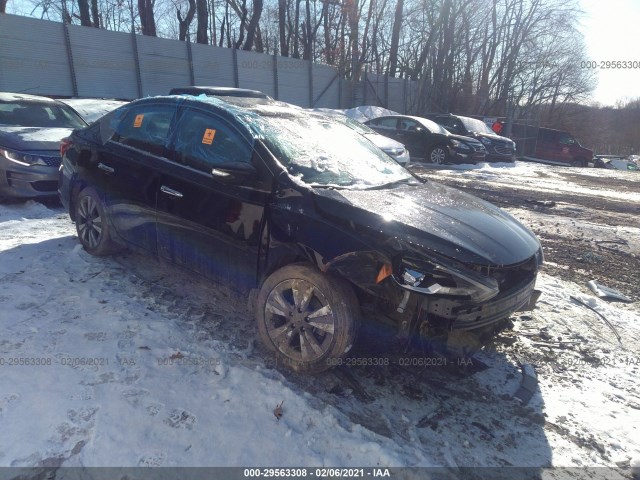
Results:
31 128
323 226
427 141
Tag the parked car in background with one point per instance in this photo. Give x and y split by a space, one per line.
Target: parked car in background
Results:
555 147
394 149
427 141
31 128
305 212
615 162
91 109
499 149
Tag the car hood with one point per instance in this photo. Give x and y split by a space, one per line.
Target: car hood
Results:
495 138
384 143
436 218
462 138
32 138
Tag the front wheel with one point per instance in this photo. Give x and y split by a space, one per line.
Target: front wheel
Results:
578 163
91 223
307 318
438 155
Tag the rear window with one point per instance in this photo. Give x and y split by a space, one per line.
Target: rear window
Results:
39 114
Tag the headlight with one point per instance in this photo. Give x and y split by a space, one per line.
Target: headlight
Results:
486 141
22 158
395 152
448 280
459 145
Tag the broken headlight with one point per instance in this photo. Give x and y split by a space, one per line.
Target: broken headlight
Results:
442 279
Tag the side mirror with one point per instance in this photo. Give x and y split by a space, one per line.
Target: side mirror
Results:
234 171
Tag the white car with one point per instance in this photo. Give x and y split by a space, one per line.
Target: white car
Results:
395 150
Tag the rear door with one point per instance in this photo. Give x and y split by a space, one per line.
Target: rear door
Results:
126 171
210 220
416 137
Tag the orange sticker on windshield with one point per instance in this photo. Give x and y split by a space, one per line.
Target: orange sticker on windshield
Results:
138 121
207 138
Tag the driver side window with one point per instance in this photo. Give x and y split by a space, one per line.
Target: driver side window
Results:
566 140
204 141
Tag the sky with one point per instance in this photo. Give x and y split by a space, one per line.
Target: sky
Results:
611 33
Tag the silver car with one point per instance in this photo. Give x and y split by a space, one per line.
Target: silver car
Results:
31 128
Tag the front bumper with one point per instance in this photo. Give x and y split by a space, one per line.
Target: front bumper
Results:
464 157
27 181
500 153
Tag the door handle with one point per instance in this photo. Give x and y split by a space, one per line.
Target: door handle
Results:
105 168
171 191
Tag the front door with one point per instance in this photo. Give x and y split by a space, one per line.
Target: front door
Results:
208 219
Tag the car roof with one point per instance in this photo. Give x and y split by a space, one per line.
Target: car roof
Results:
23 97
236 107
218 92
411 117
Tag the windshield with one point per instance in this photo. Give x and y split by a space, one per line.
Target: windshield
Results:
39 114
326 153
477 126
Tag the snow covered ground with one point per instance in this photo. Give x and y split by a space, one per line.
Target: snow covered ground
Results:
123 361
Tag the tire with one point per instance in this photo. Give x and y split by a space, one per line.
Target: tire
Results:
92 225
578 163
308 319
438 155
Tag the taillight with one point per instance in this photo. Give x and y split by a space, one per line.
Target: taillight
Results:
65 143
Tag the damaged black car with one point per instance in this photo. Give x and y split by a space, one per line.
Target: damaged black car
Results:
315 222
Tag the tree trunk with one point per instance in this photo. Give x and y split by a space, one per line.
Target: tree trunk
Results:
282 22
147 20
253 24
95 14
85 14
395 39
202 34
183 24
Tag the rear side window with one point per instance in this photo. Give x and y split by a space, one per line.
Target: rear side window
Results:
146 128
203 141
385 122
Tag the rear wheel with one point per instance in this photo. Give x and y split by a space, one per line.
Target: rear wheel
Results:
438 155
91 223
578 163
307 318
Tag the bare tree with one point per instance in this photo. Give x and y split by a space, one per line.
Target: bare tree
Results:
185 22
147 20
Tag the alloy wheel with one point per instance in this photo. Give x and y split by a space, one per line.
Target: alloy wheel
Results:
299 320
89 222
438 156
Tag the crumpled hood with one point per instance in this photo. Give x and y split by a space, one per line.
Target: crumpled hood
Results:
436 218
32 138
